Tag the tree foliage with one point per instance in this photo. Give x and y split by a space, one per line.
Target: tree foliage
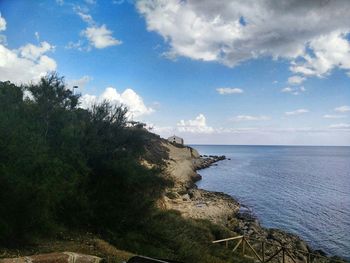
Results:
62 166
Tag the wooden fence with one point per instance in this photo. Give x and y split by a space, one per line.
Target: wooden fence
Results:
259 252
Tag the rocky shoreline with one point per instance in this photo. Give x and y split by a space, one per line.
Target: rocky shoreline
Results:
221 208
209 160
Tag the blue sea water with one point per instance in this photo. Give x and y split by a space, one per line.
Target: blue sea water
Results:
303 190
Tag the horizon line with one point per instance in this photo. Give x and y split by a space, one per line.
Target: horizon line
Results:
293 145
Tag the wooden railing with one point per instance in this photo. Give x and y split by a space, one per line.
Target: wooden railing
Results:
276 251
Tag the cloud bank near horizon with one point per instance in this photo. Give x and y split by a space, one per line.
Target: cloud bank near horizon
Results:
199 131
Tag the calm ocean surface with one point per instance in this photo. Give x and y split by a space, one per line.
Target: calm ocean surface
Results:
304 190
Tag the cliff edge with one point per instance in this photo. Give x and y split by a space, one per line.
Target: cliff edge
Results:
185 197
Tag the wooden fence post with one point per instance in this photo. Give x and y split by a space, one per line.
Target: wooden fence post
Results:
237 245
243 246
263 251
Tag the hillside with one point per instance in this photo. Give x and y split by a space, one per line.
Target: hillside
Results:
67 171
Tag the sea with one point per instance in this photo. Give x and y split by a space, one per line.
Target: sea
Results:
304 190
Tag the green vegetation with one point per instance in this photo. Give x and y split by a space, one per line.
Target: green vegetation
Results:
63 168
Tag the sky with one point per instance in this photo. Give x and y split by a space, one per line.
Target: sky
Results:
213 72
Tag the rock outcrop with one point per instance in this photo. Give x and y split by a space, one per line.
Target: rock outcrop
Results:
206 161
185 197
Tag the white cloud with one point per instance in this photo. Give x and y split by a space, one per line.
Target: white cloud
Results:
344 108
33 52
28 63
340 126
310 33
97 36
329 51
224 91
293 90
85 17
251 118
198 125
3 39
100 37
80 82
330 116
296 112
296 80
164 131
128 97
37 36
2 23
287 90
87 101
77 45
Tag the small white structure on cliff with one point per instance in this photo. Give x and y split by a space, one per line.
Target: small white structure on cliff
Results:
176 139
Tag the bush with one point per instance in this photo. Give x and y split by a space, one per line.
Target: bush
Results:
62 166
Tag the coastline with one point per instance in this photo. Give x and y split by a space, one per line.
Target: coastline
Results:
217 207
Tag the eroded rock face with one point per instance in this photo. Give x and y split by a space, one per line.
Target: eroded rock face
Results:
64 257
180 166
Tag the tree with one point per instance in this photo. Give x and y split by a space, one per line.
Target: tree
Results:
51 98
51 92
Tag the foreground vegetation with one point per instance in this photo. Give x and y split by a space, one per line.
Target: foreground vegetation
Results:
64 169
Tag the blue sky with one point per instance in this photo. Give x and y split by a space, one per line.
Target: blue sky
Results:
193 68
